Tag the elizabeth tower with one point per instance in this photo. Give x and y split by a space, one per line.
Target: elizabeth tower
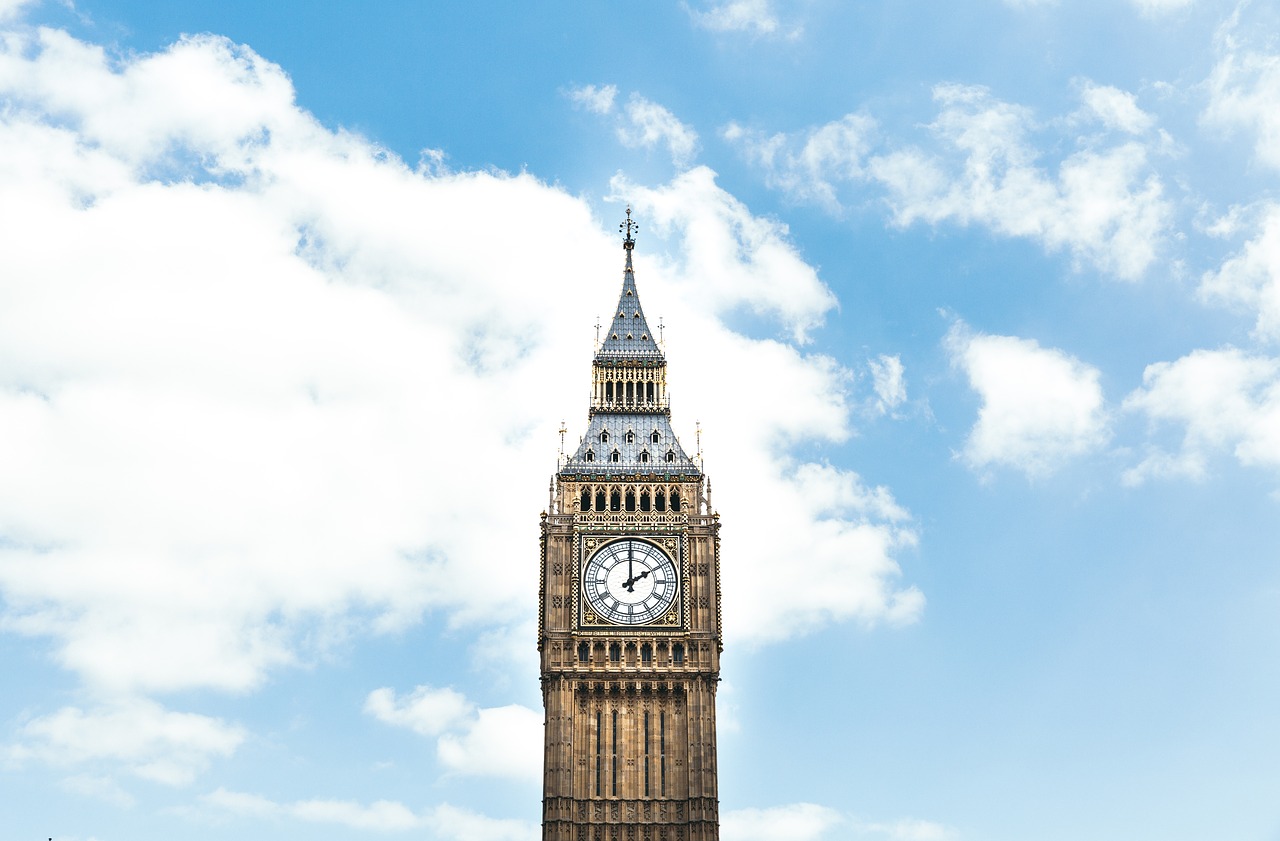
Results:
629 611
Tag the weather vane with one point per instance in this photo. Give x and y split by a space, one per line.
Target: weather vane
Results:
628 228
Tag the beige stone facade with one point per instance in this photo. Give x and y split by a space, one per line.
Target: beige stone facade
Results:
630 741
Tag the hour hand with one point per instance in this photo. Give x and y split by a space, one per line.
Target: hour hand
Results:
630 583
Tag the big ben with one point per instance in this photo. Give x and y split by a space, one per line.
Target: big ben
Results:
629 610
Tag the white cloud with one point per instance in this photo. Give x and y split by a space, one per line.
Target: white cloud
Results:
811 822
649 124
809 166
1252 277
10 9
754 16
793 822
597 100
1222 400
443 821
1115 109
1106 206
889 381
496 741
151 742
1244 93
1040 406
425 711
250 406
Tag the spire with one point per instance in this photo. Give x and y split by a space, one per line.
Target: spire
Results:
629 335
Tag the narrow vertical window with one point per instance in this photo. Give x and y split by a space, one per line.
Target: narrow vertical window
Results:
662 754
646 753
648 392
608 391
584 504
584 652
675 500
613 765
631 500
599 750
600 500
631 392
677 654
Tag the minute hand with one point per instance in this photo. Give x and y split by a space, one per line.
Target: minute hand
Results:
630 582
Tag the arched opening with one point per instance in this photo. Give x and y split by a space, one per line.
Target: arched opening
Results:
677 654
584 504
588 456
615 501
631 395
631 500
671 456
655 437
600 499
604 437
646 653
660 501
584 652
644 457
615 653
644 500
615 456
608 391
675 500
648 391
631 437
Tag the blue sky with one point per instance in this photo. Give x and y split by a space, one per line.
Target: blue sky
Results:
976 304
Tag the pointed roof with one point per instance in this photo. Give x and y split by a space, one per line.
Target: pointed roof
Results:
629 336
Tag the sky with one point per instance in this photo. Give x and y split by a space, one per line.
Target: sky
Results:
972 308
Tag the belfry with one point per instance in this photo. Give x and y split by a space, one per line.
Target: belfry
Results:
629 610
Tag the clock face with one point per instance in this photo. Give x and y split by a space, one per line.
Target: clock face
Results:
630 582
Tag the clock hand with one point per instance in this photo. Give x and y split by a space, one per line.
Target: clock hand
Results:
631 579
630 582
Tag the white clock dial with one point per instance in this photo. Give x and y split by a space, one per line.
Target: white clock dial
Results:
630 582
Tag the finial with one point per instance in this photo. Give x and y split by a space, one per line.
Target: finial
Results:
628 228
662 335
562 432
597 331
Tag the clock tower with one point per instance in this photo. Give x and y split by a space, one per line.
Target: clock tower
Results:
629 610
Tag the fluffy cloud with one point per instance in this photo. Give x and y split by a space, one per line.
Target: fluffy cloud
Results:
1244 93
258 377
1040 407
649 124
754 16
597 100
1222 400
813 165
889 381
151 742
1115 109
1106 206
444 821
497 741
1251 278
811 822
